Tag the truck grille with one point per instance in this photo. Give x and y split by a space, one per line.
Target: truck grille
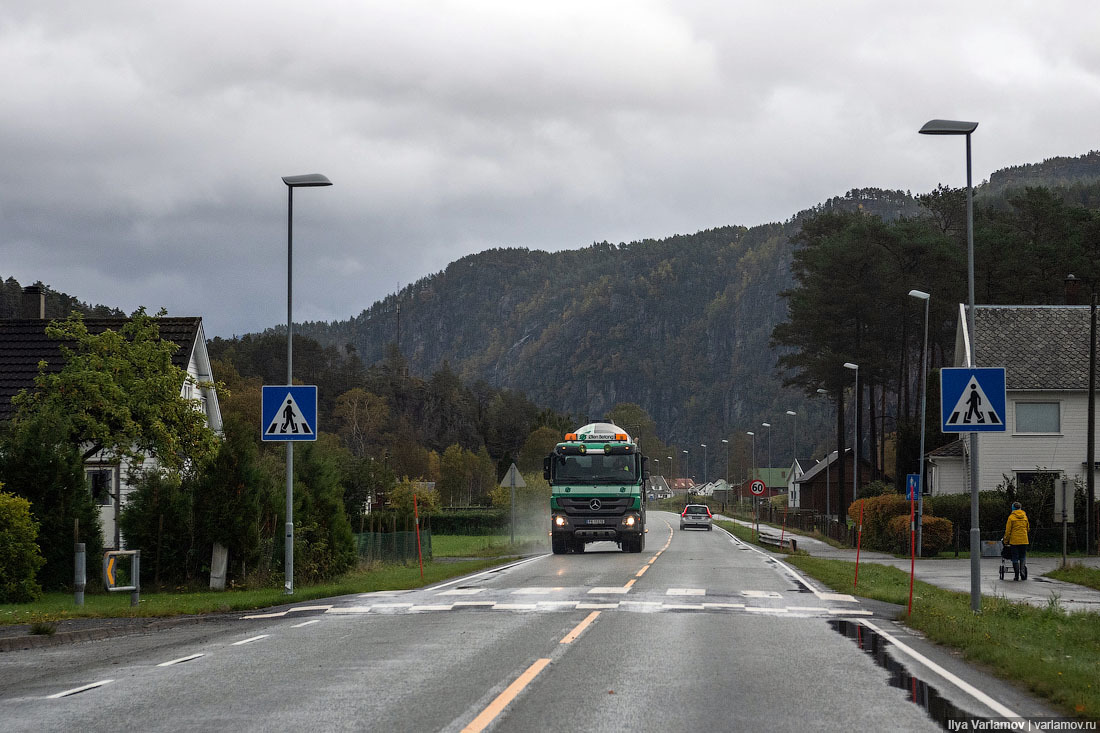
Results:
609 505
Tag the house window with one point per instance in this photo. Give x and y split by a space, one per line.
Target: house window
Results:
1027 478
1038 417
101 482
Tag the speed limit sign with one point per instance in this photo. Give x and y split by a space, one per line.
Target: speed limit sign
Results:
757 487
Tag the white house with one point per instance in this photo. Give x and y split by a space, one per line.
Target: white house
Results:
24 344
1044 350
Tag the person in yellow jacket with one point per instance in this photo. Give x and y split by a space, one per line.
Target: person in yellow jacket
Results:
1016 537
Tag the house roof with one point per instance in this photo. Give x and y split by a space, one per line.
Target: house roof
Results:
24 343
954 449
1042 347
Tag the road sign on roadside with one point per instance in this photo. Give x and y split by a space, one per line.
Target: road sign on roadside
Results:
912 486
972 400
758 487
513 478
289 413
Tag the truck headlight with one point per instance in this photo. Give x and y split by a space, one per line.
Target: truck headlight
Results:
630 521
559 521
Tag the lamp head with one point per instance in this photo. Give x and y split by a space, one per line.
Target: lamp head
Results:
850 365
919 294
309 179
948 127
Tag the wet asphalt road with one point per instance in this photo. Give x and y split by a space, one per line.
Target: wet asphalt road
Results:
697 633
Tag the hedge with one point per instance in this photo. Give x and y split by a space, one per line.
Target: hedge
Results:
935 535
20 557
886 525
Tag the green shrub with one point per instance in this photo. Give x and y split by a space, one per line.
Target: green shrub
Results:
471 521
877 513
937 534
20 558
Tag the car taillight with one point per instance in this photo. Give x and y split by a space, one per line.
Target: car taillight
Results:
708 512
684 512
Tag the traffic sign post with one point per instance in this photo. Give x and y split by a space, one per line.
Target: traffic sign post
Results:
912 486
512 479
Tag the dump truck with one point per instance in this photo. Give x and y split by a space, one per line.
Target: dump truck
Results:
597 490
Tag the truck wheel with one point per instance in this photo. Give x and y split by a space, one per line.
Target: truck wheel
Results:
578 546
558 544
627 544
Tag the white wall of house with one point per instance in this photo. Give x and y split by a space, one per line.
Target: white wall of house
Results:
1026 447
948 475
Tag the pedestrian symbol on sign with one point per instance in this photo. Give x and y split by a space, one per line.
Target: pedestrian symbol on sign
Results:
289 420
973 407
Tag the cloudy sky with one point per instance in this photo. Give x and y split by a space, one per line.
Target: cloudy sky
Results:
143 143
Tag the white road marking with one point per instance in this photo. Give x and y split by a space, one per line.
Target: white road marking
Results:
461 592
515 607
589 606
605 590
249 641
180 660
360 609
474 604
761 594
961 684
277 614
305 623
310 608
75 690
841 597
432 608
534 591
683 606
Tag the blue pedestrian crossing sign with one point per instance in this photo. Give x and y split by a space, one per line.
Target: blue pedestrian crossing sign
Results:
912 486
972 400
289 413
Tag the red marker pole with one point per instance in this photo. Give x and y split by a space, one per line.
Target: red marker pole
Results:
859 541
419 554
912 547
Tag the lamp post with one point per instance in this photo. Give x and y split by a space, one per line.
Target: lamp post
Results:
687 463
768 425
292 182
855 447
671 467
727 444
827 487
959 127
749 432
704 447
920 294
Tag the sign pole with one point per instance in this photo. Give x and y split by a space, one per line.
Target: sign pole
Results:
859 541
419 553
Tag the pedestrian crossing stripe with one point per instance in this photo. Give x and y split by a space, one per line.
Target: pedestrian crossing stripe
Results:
973 407
289 420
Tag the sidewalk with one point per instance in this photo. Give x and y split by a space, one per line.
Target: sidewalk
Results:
954 574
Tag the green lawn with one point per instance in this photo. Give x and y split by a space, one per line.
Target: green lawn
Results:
1077 573
57 606
1053 653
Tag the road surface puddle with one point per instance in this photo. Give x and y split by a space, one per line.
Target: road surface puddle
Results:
939 708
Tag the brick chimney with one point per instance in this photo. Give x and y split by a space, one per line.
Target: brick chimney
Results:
34 302
1073 289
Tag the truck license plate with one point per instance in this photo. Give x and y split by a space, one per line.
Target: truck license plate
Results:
595 521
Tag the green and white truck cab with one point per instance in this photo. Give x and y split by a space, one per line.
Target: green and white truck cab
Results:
597 479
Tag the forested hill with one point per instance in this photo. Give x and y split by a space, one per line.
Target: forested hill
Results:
679 325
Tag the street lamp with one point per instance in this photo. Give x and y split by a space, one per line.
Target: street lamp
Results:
704 447
959 127
671 467
768 425
855 447
292 182
749 432
920 294
827 467
727 443
687 463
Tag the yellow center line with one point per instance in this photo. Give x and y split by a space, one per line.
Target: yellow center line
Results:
496 707
641 572
630 582
572 635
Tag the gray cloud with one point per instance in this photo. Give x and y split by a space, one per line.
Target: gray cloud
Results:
144 143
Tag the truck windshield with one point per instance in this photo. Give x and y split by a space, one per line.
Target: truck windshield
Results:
595 469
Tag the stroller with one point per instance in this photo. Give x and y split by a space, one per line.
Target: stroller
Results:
1006 562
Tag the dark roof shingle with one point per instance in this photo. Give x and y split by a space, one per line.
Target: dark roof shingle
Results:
23 344
1040 347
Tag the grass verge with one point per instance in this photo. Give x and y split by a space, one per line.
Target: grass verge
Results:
1053 653
57 606
486 545
1077 573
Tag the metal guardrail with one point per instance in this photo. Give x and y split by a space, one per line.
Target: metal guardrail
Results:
788 543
